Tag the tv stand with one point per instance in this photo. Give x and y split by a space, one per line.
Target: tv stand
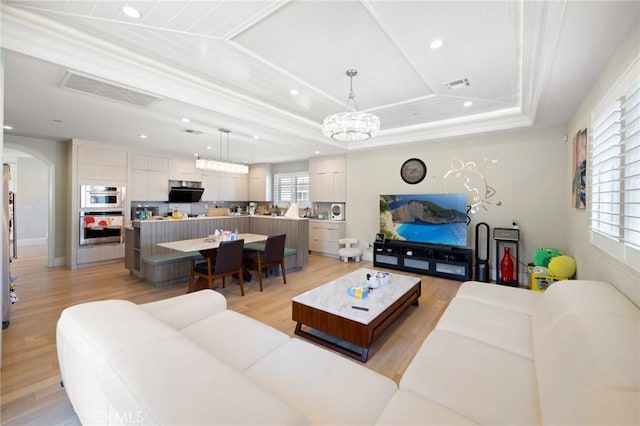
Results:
445 262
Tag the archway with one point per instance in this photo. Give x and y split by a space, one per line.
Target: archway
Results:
32 210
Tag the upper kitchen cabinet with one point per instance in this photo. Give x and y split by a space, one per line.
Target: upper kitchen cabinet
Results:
261 182
101 165
220 186
327 180
233 187
211 185
149 178
180 169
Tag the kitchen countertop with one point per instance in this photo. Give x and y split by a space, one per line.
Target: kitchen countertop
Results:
168 218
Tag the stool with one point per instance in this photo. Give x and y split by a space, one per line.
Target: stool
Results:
347 251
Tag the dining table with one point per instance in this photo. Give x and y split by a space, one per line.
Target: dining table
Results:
207 244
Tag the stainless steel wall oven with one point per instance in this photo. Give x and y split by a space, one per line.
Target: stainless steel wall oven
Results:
101 227
94 196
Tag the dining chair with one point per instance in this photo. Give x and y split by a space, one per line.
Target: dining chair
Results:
224 262
272 255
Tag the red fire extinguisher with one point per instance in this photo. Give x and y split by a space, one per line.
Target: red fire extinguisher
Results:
506 267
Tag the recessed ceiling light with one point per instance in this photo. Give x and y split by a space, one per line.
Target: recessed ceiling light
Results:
143 136
185 120
436 44
467 104
256 137
208 147
294 92
132 12
195 154
317 152
7 127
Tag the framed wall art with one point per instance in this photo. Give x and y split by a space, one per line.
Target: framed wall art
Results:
579 186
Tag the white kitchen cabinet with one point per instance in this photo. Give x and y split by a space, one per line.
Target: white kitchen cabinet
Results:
102 165
146 162
149 178
184 169
324 236
260 183
148 185
233 187
211 185
327 179
242 188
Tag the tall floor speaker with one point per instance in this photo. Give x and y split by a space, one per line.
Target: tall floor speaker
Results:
482 252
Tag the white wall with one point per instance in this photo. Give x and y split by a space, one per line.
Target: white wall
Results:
527 168
593 263
32 200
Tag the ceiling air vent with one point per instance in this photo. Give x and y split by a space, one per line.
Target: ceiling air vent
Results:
93 86
457 84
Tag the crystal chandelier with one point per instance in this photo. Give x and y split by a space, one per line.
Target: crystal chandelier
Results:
351 125
222 166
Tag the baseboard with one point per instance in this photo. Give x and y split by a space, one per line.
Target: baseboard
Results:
31 241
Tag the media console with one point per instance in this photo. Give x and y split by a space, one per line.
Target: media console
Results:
446 262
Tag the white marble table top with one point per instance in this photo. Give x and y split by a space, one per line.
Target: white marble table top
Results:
333 297
199 244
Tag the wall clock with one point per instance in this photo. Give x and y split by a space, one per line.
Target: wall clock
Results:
413 171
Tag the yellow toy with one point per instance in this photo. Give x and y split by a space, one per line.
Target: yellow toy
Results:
562 266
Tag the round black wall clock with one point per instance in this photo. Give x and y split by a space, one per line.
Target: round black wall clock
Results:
413 171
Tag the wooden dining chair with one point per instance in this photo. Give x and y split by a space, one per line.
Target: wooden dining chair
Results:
227 261
272 255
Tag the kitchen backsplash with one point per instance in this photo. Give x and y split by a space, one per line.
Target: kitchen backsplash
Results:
163 208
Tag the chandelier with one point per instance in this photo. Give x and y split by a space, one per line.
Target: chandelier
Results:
351 125
222 166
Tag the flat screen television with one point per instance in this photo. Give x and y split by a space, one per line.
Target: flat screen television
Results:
439 219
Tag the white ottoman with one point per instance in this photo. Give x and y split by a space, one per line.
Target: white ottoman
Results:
347 251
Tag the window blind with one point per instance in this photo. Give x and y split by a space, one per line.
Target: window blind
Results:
291 187
614 175
631 170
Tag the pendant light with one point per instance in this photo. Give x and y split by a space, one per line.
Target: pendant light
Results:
219 165
351 125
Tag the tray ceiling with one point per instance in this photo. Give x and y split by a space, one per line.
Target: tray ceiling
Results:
233 64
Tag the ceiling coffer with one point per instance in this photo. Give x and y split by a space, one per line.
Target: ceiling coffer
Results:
94 86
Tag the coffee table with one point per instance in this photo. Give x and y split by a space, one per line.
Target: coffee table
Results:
349 325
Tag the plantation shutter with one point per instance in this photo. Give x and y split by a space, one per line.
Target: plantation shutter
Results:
631 169
291 187
614 172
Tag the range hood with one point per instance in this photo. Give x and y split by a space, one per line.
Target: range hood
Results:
185 191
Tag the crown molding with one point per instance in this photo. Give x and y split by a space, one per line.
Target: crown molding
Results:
541 28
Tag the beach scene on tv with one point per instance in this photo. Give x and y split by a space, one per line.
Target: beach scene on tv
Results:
425 218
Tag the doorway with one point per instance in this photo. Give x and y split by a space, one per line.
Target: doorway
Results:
30 189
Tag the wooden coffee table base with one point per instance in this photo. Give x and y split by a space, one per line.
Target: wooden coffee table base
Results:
353 333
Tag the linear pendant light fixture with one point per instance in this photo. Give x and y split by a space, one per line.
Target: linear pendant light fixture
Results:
222 166
351 125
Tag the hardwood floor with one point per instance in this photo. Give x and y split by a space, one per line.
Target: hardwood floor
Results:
30 380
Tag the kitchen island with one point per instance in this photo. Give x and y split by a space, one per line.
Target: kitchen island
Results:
159 266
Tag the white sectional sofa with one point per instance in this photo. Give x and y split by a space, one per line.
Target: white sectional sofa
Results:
498 355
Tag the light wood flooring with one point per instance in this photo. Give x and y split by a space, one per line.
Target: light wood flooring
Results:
30 380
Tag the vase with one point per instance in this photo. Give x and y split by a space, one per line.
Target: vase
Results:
506 267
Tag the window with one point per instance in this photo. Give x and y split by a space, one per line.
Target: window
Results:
291 187
614 173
